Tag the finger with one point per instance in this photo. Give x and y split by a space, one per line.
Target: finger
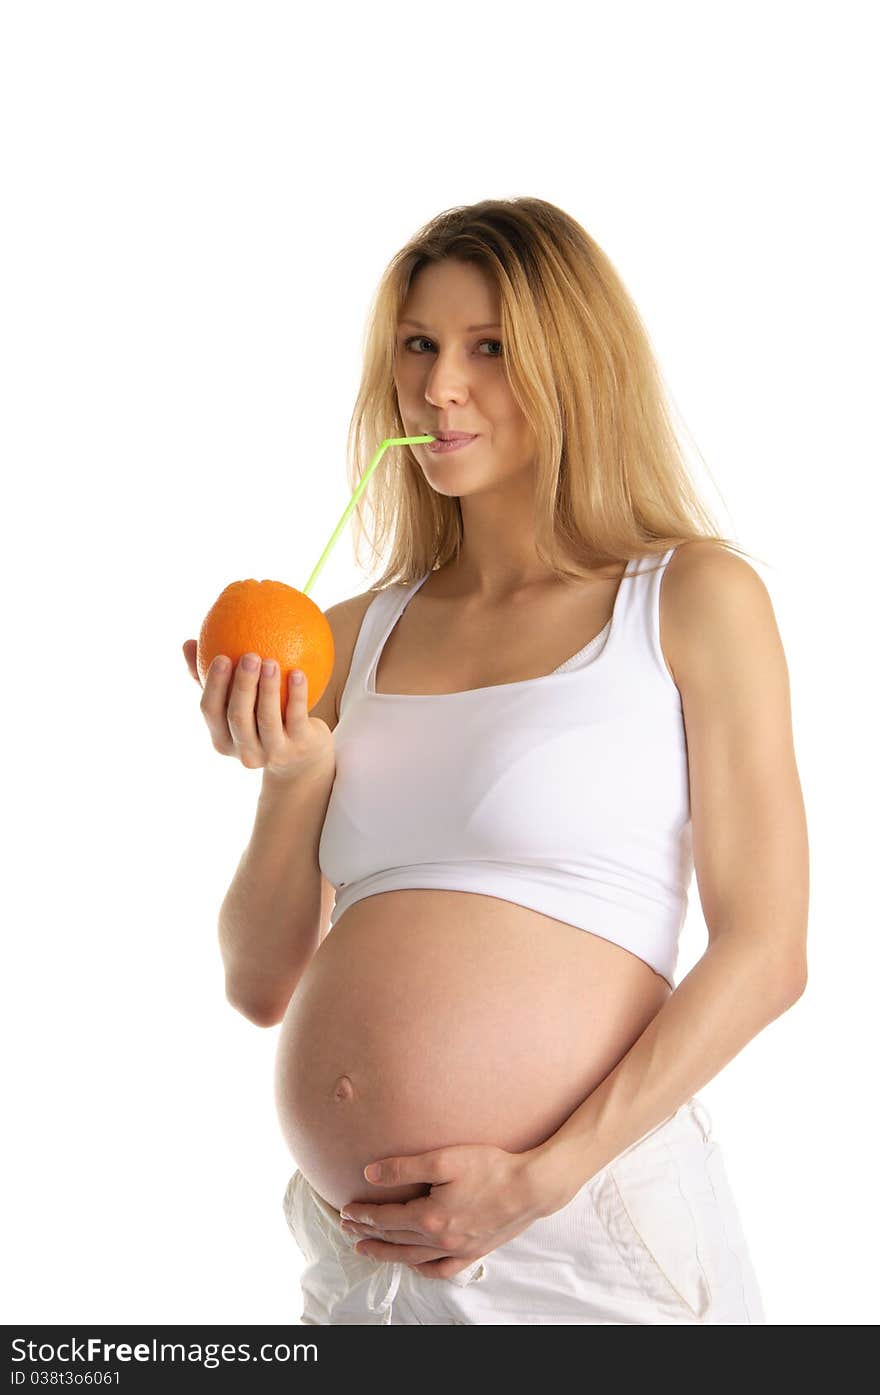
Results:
442 1268
401 1254
189 653
411 1167
396 1215
240 713
297 701
269 708
396 1237
213 703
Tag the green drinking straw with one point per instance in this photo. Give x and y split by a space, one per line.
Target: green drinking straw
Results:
390 441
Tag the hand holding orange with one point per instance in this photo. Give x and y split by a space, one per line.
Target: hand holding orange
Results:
275 621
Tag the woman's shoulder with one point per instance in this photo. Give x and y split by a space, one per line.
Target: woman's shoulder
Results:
699 567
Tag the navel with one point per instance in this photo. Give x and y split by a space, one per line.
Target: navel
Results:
343 1089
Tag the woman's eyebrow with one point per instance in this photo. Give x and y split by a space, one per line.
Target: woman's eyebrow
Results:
493 324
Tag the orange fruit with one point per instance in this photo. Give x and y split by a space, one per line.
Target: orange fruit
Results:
275 621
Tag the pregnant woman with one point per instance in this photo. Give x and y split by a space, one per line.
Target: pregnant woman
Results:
470 865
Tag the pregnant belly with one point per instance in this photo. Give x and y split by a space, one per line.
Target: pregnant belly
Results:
431 1017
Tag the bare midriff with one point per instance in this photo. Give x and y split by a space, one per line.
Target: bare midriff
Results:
428 1018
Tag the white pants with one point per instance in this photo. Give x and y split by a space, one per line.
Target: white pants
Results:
654 1237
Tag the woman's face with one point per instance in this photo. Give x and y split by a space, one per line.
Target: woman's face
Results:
450 376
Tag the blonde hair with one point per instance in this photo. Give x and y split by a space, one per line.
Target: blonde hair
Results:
611 480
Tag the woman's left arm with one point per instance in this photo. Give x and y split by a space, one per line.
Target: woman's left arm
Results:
751 861
730 995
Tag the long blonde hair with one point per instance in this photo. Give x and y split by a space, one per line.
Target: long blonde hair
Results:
611 479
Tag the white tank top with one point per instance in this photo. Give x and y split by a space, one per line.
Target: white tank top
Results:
567 794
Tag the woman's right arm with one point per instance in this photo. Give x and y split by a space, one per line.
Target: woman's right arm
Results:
278 904
271 919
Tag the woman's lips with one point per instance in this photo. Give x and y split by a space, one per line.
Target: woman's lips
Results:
439 447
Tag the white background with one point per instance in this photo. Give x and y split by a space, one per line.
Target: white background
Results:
199 199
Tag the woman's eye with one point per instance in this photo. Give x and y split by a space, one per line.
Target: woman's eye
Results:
421 339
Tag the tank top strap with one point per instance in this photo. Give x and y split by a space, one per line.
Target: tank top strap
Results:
379 619
636 630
